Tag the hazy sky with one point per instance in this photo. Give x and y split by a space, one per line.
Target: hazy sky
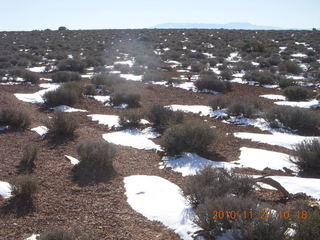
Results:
101 14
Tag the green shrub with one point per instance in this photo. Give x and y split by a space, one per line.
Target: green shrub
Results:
24 186
308 228
17 118
155 77
191 136
27 161
69 93
95 161
212 83
62 125
125 95
66 76
163 118
211 183
296 93
294 118
226 74
253 47
262 77
130 119
290 67
218 102
107 80
73 65
284 83
89 89
307 156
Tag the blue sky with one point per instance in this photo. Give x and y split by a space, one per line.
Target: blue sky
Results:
101 14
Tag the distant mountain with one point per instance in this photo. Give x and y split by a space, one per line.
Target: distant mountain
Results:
232 25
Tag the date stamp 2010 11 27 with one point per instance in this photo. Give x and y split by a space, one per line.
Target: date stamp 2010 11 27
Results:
258 214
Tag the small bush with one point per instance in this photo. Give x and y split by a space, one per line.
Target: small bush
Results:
27 161
308 228
192 136
17 118
95 161
163 118
218 102
24 187
125 95
284 83
296 93
210 82
89 89
66 76
107 80
211 183
262 77
61 234
294 118
307 156
73 65
226 74
68 94
155 77
130 119
246 107
62 125
290 67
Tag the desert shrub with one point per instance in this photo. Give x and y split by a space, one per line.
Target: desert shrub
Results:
294 118
163 118
308 228
62 125
262 77
289 67
211 183
246 107
95 161
24 186
123 68
226 74
196 67
69 94
30 76
16 118
27 161
61 234
295 93
125 95
191 136
212 83
307 156
130 119
66 76
73 65
154 77
218 102
284 83
89 89
253 47
108 80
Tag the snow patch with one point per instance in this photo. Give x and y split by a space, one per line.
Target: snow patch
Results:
41 130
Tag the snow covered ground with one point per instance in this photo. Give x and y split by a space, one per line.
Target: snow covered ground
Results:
279 139
72 160
111 120
202 110
5 190
37 96
160 200
68 109
135 138
41 130
132 77
283 101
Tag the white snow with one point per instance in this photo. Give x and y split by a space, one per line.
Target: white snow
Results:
260 159
294 77
299 55
199 109
127 62
37 96
65 108
41 130
234 57
5 190
273 97
190 163
109 120
303 104
102 99
134 138
131 77
37 69
160 200
279 139
73 160
33 237
309 186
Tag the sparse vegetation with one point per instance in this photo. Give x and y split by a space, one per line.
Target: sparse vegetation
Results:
66 76
62 125
27 164
290 67
17 118
296 93
190 136
130 119
212 83
95 161
125 95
